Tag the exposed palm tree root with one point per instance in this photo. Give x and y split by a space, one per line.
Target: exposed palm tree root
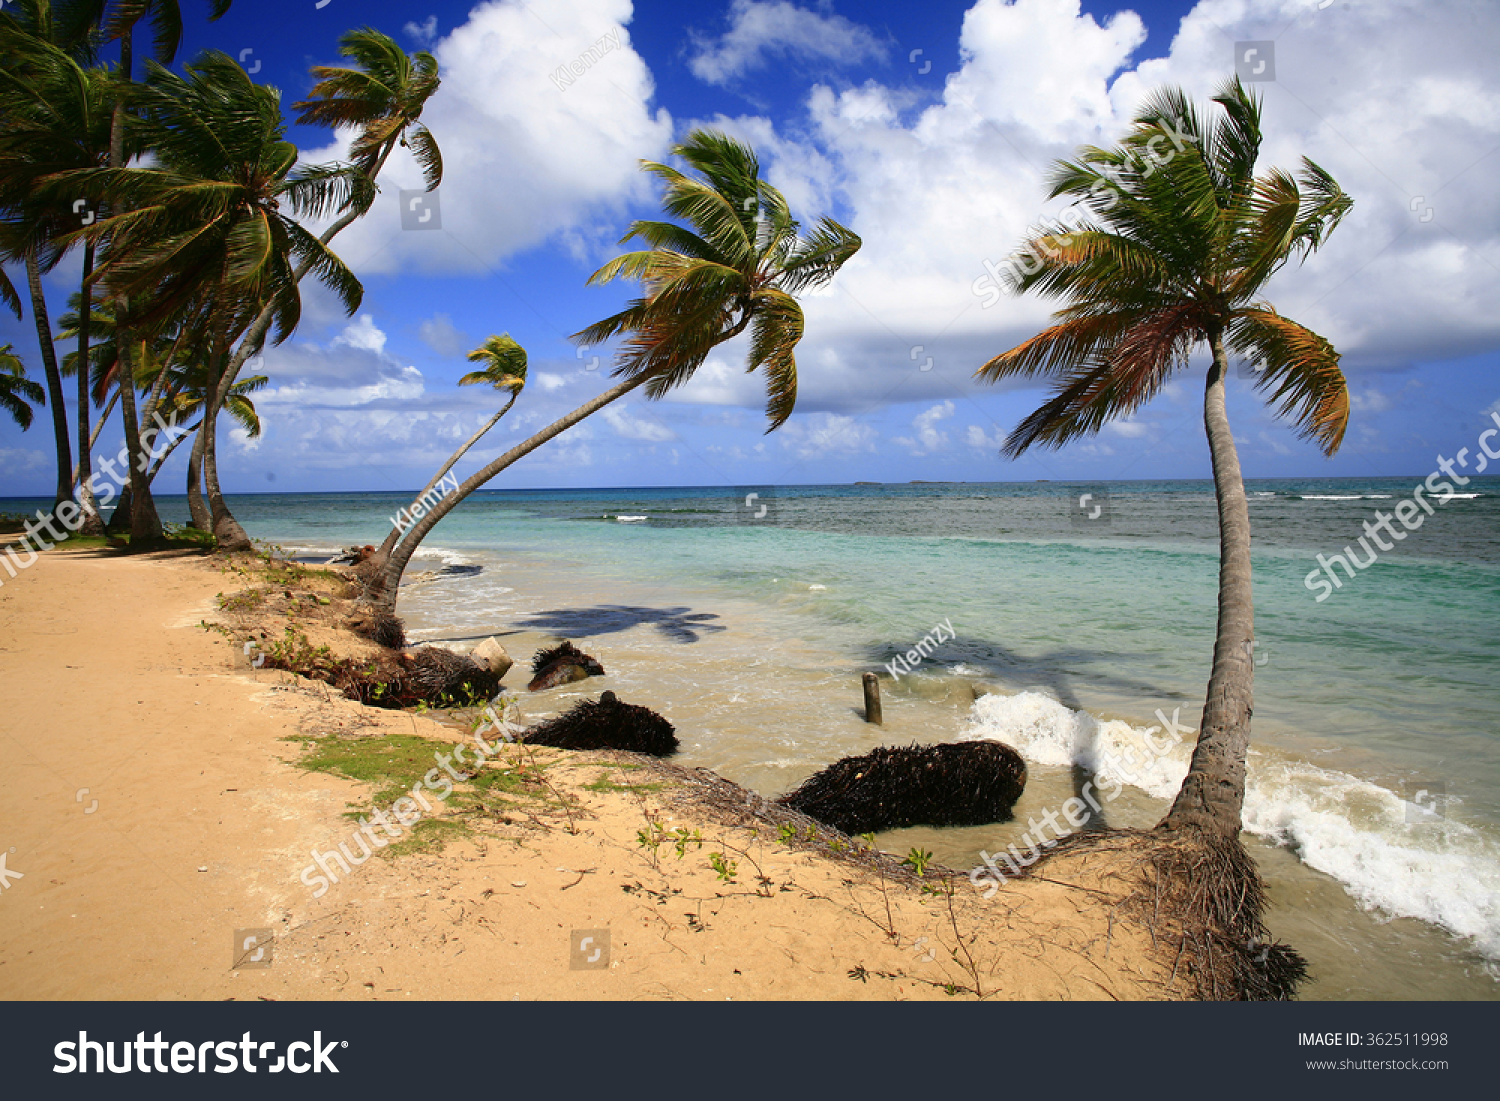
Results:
1202 897
431 675
379 626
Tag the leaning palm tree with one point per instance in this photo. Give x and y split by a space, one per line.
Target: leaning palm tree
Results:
1177 254
17 392
739 267
505 369
383 96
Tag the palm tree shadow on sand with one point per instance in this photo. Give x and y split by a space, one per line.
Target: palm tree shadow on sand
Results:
679 624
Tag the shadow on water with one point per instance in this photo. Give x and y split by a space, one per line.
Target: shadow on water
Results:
680 624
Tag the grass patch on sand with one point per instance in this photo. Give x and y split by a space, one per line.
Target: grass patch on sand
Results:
392 765
605 782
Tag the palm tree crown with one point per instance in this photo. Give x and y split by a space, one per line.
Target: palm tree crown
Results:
505 364
215 210
740 266
384 97
1183 238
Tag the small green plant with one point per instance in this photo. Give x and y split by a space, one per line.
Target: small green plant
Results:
917 860
655 835
837 845
727 869
868 839
786 833
240 601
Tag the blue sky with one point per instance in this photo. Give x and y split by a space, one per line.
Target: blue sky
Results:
935 157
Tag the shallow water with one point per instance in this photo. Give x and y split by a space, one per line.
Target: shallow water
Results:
750 631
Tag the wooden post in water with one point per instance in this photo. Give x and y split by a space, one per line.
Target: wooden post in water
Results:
872 700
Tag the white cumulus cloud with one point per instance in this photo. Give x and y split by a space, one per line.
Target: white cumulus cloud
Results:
760 30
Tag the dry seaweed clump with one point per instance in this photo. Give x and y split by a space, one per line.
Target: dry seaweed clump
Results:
953 784
607 723
1202 897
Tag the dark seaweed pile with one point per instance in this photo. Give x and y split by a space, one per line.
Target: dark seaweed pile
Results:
606 723
954 784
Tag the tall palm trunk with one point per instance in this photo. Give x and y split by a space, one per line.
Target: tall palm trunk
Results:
202 518
386 581
145 525
64 490
92 524
227 531
98 430
1212 796
384 554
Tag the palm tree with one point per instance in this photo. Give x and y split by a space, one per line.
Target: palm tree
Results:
739 267
87 21
505 369
383 95
1180 247
17 392
207 232
58 118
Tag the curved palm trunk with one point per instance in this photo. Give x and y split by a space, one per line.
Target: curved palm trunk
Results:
384 553
385 583
1212 796
165 455
64 491
92 523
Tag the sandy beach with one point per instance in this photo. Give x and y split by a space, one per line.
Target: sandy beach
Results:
155 807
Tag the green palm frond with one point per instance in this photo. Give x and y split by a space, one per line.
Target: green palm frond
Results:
382 97
1299 373
505 364
737 263
17 392
1173 238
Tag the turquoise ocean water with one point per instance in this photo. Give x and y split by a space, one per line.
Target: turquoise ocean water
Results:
1374 799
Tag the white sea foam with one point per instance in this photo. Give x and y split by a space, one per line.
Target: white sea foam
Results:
630 519
1048 733
446 555
1437 870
